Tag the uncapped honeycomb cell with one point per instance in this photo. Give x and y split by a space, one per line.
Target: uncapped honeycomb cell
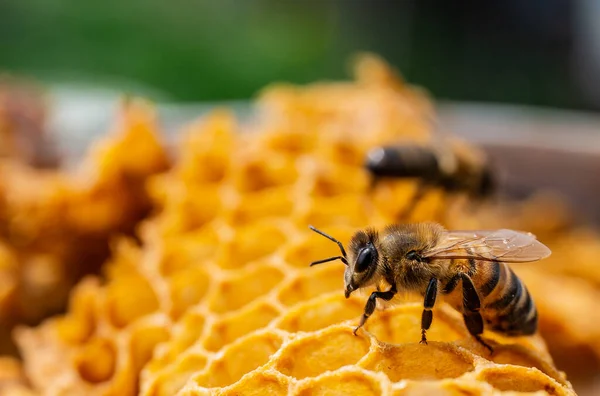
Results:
142 142
171 379
189 251
320 312
331 181
232 326
78 325
240 358
517 354
206 145
274 201
143 341
510 378
454 387
333 211
311 283
291 141
262 170
339 148
130 296
391 199
405 361
244 286
402 324
187 289
243 247
312 355
256 383
183 335
96 361
346 381
191 203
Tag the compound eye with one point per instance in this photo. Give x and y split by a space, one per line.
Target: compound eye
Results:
365 258
412 255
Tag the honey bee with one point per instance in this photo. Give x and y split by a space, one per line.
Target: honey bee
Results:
449 164
467 269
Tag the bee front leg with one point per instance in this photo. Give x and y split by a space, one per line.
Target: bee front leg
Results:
372 303
428 303
471 305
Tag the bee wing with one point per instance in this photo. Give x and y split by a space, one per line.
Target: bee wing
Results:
499 245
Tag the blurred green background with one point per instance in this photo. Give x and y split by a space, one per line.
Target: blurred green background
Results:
183 50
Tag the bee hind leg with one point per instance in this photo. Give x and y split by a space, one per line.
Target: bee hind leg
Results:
472 316
420 192
372 303
428 303
485 344
474 324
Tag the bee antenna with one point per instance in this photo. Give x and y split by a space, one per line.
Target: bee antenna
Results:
330 259
334 240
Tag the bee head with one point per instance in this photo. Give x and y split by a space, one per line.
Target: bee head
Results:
363 260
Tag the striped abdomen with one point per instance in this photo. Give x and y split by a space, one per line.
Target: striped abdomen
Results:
506 305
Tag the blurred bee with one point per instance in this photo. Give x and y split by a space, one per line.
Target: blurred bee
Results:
467 269
449 164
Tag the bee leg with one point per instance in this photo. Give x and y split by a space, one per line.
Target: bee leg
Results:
475 204
451 201
442 209
372 303
471 305
427 316
422 189
373 183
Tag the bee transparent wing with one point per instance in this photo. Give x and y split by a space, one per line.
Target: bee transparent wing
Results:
499 245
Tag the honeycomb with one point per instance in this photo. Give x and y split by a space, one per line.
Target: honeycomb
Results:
55 225
216 296
12 378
